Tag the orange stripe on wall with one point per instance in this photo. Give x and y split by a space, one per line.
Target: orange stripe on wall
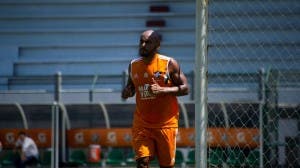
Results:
42 137
121 137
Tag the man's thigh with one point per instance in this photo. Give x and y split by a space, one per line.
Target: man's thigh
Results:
166 145
142 142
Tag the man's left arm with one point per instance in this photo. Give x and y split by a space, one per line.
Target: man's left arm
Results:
178 79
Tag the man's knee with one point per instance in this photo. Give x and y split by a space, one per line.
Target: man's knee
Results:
143 162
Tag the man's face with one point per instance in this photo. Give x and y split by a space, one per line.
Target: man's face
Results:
22 137
148 46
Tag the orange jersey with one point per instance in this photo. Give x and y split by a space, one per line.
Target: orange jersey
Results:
153 111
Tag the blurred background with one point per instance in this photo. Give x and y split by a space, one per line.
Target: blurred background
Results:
76 53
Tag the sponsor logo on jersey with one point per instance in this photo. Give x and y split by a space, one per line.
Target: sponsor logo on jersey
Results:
145 93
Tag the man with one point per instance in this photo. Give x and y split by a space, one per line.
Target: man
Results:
28 151
157 80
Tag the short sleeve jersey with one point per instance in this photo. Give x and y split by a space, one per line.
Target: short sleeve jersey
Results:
153 111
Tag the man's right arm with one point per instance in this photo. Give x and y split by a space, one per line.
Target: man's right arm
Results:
129 89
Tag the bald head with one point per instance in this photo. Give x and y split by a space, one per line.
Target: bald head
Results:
153 35
147 33
149 43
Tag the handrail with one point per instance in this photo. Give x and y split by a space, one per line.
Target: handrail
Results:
211 75
184 113
65 115
105 114
262 101
55 135
22 113
225 113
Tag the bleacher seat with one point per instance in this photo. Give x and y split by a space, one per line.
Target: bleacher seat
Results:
159 8
115 157
130 159
156 23
235 158
8 158
154 162
179 158
215 157
191 157
252 160
45 158
78 157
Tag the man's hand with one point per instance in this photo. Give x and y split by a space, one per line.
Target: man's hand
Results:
155 88
127 92
23 157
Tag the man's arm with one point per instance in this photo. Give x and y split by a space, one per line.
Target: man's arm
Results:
18 146
129 89
177 77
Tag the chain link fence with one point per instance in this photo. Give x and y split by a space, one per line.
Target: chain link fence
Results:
254 54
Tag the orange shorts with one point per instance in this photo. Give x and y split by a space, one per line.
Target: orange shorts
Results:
160 142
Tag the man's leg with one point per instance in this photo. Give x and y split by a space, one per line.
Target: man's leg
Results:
18 161
166 146
31 161
142 162
143 146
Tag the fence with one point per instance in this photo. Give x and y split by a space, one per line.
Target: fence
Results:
234 127
249 37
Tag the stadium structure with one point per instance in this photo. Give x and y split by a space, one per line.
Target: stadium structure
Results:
71 56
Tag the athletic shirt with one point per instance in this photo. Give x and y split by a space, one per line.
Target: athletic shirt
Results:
153 111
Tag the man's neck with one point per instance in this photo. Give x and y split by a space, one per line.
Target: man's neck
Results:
149 59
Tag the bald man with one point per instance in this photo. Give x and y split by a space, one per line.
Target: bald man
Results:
157 81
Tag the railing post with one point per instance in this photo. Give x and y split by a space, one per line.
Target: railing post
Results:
55 136
261 84
58 82
192 76
124 78
91 97
271 118
201 115
262 101
60 119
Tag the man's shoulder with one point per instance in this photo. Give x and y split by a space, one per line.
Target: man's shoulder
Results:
165 57
136 60
29 140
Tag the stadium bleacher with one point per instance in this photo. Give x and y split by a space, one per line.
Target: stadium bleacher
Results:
96 39
82 39
85 35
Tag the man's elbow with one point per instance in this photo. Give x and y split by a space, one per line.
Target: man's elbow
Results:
184 91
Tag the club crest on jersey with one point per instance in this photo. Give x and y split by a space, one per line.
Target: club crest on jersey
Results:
157 74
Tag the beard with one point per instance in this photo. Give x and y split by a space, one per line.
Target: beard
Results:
146 53
143 53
